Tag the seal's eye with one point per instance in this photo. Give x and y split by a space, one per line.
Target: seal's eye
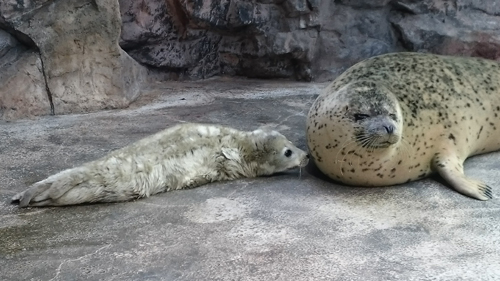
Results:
288 153
393 116
359 116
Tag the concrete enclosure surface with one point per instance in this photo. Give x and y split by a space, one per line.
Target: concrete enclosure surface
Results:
291 226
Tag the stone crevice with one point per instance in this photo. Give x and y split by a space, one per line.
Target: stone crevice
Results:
47 88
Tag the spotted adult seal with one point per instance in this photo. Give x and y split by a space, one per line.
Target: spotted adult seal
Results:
399 117
183 156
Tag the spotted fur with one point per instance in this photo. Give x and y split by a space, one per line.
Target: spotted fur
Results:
183 156
422 113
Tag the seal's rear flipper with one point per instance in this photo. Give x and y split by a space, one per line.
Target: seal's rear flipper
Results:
16 198
38 190
49 191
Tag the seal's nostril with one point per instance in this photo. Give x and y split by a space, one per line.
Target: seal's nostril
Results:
389 129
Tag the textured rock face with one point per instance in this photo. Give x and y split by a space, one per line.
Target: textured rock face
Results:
301 39
64 55
83 67
466 27
22 85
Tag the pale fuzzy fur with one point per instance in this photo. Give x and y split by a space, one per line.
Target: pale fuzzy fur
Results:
183 156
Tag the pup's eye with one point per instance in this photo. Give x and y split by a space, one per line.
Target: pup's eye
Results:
393 116
360 116
288 153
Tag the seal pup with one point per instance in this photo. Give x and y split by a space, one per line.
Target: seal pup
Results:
180 157
399 117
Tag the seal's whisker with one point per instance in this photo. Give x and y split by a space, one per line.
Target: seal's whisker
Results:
341 162
342 148
369 146
366 143
375 143
358 155
364 139
405 146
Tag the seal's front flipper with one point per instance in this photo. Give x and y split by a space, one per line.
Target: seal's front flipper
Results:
451 169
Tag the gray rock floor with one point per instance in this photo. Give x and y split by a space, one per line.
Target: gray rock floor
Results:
283 227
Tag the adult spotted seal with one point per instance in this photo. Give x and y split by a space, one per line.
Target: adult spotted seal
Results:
183 156
399 117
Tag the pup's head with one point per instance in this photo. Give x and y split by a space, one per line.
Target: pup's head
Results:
274 153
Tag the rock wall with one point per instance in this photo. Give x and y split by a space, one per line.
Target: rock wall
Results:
64 56
460 27
22 84
299 39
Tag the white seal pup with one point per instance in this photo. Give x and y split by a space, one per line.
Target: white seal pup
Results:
402 116
183 156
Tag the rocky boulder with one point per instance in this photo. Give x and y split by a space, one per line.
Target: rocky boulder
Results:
82 65
22 85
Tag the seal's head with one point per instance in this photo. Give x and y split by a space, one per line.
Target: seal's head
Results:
273 153
372 111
